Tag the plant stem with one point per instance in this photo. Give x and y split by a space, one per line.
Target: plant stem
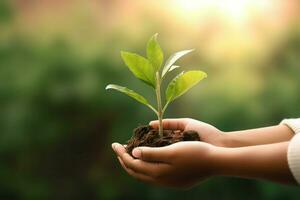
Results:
152 108
159 106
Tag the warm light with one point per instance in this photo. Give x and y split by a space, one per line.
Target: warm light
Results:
237 11
192 5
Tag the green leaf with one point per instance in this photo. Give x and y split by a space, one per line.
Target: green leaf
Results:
130 93
173 67
173 58
154 53
140 67
182 83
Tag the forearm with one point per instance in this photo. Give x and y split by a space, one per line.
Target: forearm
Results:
267 162
267 135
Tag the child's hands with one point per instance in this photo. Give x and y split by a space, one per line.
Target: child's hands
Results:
182 164
207 132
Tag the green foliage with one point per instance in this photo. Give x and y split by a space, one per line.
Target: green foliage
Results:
56 126
173 58
182 83
148 70
5 11
140 67
154 53
130 93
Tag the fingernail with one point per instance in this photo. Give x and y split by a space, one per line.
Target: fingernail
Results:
113 146
137 153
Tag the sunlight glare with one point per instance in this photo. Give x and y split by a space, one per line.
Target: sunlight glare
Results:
237 11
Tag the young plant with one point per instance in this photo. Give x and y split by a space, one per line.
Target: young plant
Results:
149 71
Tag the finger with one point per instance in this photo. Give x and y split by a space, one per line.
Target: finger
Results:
141 177
146 178
153 154
148 168
171 182
172 124
118 148
132 163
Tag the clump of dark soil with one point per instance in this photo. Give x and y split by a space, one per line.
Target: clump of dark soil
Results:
147 136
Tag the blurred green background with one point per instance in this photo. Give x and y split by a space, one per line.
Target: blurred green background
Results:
57 122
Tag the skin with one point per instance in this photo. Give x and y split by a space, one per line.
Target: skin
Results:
257 153
212 135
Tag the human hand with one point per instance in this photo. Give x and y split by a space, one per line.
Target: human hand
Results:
207 132
180 165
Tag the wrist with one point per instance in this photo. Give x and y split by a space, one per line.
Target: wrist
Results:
254 162
224 161
219 157
218 161
225 140
230 139
232 161
229 161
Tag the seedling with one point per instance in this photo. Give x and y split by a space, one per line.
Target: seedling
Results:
150 71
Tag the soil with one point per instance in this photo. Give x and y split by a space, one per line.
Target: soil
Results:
144 135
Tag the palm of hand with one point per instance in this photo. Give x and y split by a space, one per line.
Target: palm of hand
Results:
207 132
179 165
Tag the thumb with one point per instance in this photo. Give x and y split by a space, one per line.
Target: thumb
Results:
152 154
172 124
